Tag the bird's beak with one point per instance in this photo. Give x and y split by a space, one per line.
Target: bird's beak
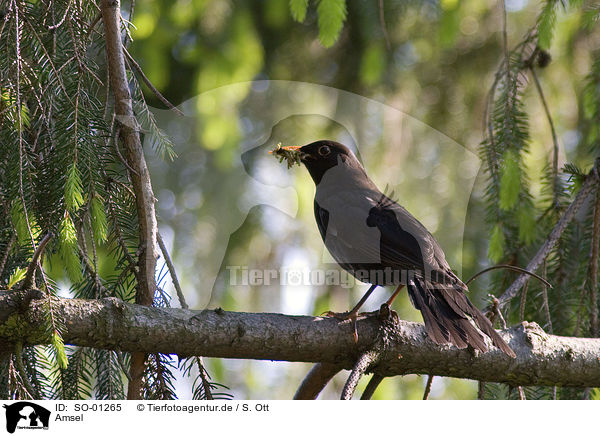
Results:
291 154
292 148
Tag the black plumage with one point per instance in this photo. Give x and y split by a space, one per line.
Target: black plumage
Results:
379 242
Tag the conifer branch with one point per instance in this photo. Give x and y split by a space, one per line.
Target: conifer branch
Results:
588 186
28 281
555 179
149 84
9 247
142 186
172 272
593 267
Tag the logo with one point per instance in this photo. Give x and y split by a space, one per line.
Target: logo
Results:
24 414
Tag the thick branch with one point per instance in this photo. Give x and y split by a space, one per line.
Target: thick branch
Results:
138 171
129 133
109 323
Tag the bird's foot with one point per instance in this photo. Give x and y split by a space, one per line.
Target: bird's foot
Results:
342 316
385 313
345 316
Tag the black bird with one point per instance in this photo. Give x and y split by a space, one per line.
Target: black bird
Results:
379 242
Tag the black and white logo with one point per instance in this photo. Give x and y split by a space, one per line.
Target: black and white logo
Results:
26 415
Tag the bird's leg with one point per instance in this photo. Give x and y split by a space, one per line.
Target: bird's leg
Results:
394 295
388 303
385 311
353 313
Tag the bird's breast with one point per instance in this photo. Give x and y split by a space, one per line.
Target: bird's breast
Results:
342 217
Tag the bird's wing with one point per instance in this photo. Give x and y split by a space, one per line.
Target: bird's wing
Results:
405 240
346 235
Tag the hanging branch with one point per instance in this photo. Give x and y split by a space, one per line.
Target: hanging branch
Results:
594 267
172 272
28 282
129 132
316 380
588 186
555 179
11 242
428 387
360 367
149 84
372 386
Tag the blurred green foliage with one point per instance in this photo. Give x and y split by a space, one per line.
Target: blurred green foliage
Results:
434 61
406 83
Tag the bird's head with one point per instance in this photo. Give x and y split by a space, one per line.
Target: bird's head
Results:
319 157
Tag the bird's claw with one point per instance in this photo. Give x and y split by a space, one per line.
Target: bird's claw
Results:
345 316
385 313
342 316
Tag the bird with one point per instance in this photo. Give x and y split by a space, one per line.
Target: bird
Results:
378 241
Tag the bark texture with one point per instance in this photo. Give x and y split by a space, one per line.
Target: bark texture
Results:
403 347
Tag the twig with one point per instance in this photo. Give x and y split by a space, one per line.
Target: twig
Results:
521 393
587 187
360 367
121 361
316 380
507 79
594 267
62 20
119 234
481 390
129 20
512 268
428 387
93 24
372 386
33 393
9 246
30 275
172 271
116 144
546 304
90 269
538 86
582 295
204 378
523 302
148 83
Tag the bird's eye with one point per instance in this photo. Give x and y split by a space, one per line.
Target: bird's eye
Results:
324 151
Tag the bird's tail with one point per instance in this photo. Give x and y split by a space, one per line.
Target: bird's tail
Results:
448 313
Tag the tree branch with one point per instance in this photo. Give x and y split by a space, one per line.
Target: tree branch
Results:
364 362
591 182
110 323
140 177
316 380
